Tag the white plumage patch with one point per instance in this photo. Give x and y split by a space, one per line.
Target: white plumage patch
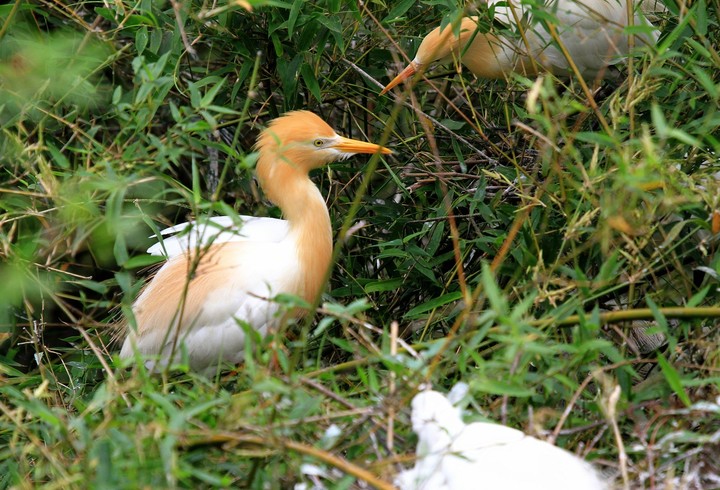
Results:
454 456
235 283
180 238
592 32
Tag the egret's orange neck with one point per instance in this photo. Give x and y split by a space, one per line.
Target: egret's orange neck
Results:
285 180
487 56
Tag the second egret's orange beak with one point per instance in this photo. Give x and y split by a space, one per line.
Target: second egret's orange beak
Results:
408 72
347 145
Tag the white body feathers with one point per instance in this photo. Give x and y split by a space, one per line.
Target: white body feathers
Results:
454 456
592 31
180 238
246 266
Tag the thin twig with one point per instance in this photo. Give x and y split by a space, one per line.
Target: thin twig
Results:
419 112
340 463
611 408
330 394
181 27
112 380
391 389
514 230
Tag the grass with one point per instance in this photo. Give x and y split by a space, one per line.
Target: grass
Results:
523 238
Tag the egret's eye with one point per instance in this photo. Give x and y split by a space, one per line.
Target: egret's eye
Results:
318 143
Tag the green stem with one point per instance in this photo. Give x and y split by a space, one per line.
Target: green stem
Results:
635 314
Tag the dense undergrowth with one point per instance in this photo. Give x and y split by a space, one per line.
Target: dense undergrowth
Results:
543 247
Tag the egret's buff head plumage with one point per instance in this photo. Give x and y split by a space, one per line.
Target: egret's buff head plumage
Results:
292 138
297 143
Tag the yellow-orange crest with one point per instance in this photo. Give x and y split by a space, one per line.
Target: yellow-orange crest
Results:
293 127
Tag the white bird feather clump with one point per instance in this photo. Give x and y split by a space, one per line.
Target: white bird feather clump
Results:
184 237
452 455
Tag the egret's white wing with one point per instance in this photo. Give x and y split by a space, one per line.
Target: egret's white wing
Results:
197 307
180 238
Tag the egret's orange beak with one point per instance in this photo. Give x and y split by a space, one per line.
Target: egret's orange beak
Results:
408 72
348 145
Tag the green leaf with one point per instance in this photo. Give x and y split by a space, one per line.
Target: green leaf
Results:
501 388
673 234
141 39
98 287
492 291
609 269
706 81
120 250
397 11
143 261
106 14
701 18
382 286
141 20
309 77
58 157
209 97
596 138
432 304
699 297
662 323
293 16
673 379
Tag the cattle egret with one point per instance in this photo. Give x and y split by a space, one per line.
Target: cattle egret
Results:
454 456
223 272
592 32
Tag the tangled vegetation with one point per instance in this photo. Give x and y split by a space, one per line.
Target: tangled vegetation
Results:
551 246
